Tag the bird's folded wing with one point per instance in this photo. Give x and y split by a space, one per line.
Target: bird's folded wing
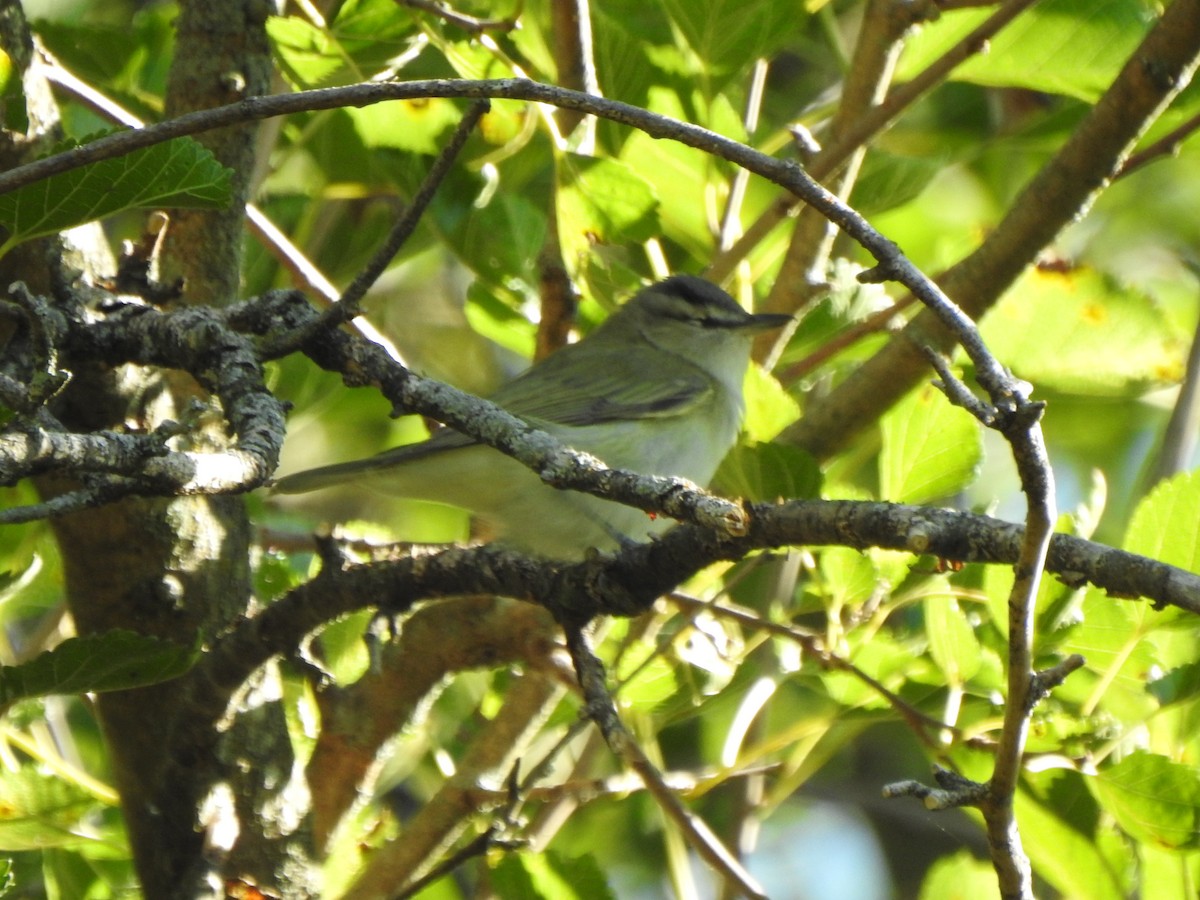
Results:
607 385
604 386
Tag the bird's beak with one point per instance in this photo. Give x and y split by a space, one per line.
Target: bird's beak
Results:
767 321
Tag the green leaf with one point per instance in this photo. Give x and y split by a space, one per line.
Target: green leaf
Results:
889 180
38 811
884 659
1071 47
1170 874
765 472
1180 685
647 685
13 114
1153 799
1166 524
952 641
680 177
1111 638
471 230
412 125
180 173
601 201
960 877
849 577
931 449
115 661
769 407
727 35
1080 332
366 37
1067 859
528 876
307 54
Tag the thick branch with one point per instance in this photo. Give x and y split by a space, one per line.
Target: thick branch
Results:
196 341
626 584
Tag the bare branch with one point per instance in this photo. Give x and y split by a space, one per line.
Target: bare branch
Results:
459 20
601 709
629 582
346 307
1060 192
193 340
814 645
1167 145
873 121
493 755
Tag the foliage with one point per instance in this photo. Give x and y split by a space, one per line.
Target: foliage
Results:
809 677
174 174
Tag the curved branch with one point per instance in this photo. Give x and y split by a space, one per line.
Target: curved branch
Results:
197 341
1057 195
627 583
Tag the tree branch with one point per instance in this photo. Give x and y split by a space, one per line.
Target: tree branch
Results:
1056 196
346 307
629 582
601 709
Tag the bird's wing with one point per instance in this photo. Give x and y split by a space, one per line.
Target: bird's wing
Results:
565 390
560 391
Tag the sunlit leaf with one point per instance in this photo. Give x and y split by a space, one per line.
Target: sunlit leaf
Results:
1153 799
39 811
769 407
176 174
1111 638
366 37
1166 524
931 449
412 125
599 202
960 877
679 176
1069 860
952 641
1080 332
1072 47
308 54
646 679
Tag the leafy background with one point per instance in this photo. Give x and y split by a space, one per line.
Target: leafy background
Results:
1109 806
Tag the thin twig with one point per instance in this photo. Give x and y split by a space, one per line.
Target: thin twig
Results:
1061 192
730 226
1179 438
459 20
876 322
917 720
602 711
1167 145
868 77
304 272
873 121
346 307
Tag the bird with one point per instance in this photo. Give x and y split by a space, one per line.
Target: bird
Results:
656 389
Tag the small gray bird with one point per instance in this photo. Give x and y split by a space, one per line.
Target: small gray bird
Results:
656 389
